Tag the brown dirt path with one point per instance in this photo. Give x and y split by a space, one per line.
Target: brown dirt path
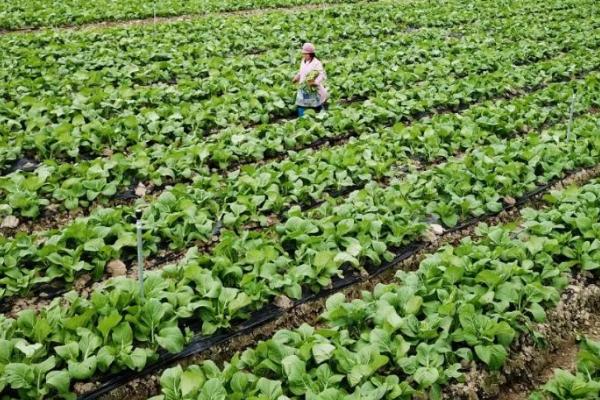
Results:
564 357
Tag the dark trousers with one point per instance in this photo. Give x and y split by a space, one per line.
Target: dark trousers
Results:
301 110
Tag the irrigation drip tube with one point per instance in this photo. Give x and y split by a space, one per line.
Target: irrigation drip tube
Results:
29 164
49 291
59 287
271 312
259 318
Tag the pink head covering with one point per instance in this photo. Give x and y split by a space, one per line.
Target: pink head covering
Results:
308 48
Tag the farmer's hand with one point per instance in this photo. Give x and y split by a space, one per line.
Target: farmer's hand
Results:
295 79
312 82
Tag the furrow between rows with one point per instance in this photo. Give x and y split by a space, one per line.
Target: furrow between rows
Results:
554 158
115 177
11 251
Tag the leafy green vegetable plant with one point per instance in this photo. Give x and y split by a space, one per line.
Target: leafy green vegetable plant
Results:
465 303
583 384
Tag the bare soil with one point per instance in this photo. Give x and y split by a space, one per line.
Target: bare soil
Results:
563 358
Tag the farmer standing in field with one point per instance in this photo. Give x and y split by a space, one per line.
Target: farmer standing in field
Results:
311 93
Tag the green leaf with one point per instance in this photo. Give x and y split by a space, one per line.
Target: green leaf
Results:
323 259
19 376
270 389
41 330
122 334
493 355
426 376
109 322
239 382
490 277
59 380
213 390
335 300
6 348
534 244
295 370
413 305
344 257
322 352
43 367
450 219
192 380
537 311
136 360
105 358
84 369
358 373
94 245
344 227
171 339
88 341
170 382
28 349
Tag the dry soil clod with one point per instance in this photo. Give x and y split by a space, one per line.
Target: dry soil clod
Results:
116 268
10 222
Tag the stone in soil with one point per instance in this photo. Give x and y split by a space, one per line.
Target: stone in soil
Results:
140 190
10 221
510 201
283 302
116 268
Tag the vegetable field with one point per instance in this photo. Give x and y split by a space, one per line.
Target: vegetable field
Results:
433 234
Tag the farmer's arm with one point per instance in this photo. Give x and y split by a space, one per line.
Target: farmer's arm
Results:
321 77
298 75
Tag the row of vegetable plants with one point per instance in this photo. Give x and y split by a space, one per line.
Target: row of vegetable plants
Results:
249 270
12 183
26 194
26 14
108 119
129 44
74 338
176 219
254 78
583 383
181 42
133 118
134 66
169 126
89 70
136 156
463 307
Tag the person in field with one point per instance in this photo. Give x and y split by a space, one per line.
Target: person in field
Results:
311 91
